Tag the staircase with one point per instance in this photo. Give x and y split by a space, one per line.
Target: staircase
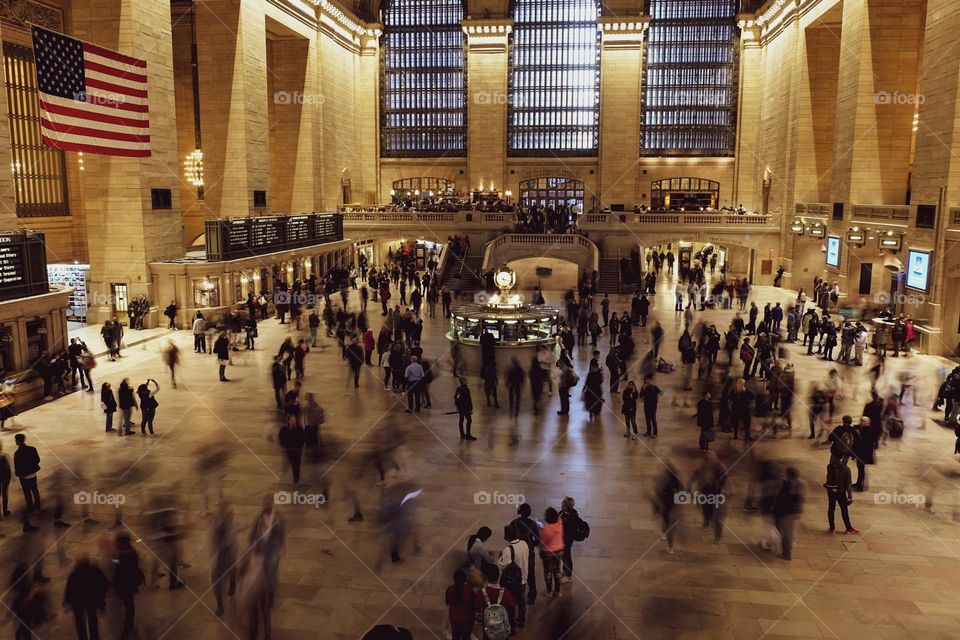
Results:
610 279
468 271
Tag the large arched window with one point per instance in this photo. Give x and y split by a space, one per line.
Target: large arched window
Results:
689 99
423 81
554 107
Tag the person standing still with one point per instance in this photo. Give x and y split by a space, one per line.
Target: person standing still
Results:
148 404
412 375
650 393
199 334
463 401
26 465
222 348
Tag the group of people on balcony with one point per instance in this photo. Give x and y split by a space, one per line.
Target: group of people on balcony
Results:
534 219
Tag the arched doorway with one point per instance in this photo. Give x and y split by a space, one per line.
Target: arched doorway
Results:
690 194
552 192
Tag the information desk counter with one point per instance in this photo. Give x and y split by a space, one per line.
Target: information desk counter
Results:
518 332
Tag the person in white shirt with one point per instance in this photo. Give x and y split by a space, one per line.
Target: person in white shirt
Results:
679 292
413 374
516 552
199 339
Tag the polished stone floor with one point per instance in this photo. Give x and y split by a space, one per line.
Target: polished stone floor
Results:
894 581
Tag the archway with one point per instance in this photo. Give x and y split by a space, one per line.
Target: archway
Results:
552 192
690 194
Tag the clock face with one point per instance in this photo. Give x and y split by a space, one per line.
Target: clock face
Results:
504 279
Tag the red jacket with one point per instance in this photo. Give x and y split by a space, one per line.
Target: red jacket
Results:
368 340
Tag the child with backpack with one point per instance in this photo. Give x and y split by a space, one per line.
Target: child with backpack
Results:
494 606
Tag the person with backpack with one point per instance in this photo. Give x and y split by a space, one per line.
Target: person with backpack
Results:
574 530
459 599
838 493
494 606
528 531
513 564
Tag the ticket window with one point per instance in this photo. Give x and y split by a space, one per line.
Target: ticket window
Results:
38 339
118 293
206 293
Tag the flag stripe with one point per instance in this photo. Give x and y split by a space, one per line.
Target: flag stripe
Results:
118 144
89 115
115 88
65 127
90 64
97 106
66 123
92 148
113 55
112 100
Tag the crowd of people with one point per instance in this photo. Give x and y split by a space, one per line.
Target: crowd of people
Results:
750 393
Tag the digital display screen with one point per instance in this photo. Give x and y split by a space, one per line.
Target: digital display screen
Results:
918 269
833 251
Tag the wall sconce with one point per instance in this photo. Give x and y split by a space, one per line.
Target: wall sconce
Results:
818 231
193 168
307 263
797 227
891 241
289 268
243 278
256 275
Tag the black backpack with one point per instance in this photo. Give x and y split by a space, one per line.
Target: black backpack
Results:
511 578
580 530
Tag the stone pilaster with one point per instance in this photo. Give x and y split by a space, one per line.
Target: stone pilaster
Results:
876 100
748 168
487 68
621 60
125 235
232 61
368 117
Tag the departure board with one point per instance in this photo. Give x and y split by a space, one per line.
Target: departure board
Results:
235 238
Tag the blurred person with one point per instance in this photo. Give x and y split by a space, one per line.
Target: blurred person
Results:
253 593
705 421
837 485
223 572
126 581
396 519
629 409
787 508
665 501
85 594
709 480
292 439
171 358
267 538
490 384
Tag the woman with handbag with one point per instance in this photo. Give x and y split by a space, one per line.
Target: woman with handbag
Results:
109 404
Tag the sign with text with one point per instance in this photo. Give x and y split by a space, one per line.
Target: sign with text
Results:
23 265
236 238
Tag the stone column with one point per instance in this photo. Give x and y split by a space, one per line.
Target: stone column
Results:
748 168
232 62
115 190
367 176
621 61
487 68
876 100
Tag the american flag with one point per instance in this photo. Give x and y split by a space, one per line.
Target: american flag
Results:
91 99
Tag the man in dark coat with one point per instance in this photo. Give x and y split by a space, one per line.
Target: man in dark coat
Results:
26 464
464 403
85 594
863 451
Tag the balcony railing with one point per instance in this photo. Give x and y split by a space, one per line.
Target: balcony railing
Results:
589 221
